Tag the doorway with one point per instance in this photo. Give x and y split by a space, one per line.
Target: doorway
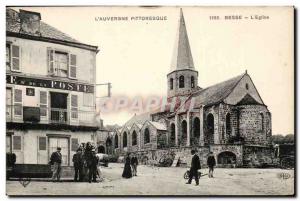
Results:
63 143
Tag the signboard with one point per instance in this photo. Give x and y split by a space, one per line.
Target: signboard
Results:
31 114
53 84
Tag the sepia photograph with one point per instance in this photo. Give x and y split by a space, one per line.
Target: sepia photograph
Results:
150 101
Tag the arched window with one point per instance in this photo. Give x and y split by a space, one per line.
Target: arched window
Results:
171 83
181 81
228 124
192 82
134 138
124 139
116 141
183 132
109 146
172 137
196 127
210 128
146 136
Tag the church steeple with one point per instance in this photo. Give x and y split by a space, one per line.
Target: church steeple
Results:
183 79
182 55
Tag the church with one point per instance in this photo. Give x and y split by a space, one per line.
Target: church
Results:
229 119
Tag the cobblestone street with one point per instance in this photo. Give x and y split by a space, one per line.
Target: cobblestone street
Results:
168 181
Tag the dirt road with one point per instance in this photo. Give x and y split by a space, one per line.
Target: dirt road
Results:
168 181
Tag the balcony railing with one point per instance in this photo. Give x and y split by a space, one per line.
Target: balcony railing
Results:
15 113
58 116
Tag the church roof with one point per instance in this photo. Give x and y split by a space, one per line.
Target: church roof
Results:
13 25
216 93
138 119
158 126
182 55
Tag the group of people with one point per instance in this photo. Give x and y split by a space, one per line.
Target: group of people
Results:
195 166
130 167
85 160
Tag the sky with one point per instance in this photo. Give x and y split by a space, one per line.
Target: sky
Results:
135 55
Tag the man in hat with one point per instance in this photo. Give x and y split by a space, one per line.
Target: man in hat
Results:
92 165
78 164
211 162
55 159
195 166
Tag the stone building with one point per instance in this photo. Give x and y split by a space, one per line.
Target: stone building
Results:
50 95
229 118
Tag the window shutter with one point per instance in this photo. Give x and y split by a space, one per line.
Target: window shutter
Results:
42 143
18 102
16 53
43 103
50 56
17 143
74 106
73 66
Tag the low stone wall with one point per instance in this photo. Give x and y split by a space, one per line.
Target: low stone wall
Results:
257 156
185 157
243 155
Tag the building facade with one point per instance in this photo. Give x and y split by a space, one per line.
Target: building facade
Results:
50 90
229 118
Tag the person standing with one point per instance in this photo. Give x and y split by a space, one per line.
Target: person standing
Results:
211 162
134 164
78 165
56 160
92 165
127 169
195 166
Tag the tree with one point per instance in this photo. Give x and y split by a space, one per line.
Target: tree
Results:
280 139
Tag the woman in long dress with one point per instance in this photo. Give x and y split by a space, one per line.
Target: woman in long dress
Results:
127 168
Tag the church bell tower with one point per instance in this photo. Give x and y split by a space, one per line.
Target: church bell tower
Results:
183 78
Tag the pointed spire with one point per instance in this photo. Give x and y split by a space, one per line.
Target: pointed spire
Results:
182 56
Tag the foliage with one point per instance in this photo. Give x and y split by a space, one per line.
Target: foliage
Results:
280 139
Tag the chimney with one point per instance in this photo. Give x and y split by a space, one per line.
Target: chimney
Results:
30 22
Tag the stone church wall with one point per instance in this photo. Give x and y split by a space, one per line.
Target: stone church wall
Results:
252 126
153 137
214 110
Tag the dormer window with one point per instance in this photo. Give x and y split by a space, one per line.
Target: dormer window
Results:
181 81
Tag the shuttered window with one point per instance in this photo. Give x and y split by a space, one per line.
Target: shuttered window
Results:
43 103
17 143
42 143
16 52
8 56
74 144
50 56
74 106
88 99
73 66
18 102
61 63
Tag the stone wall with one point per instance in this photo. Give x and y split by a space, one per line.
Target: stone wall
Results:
153 137
184 154
254 124
214 110
187 82
256 156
